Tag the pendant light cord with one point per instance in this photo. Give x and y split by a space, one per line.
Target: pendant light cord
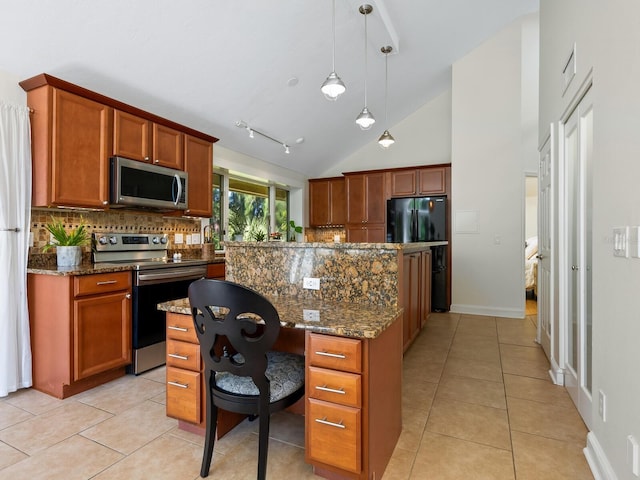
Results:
386 88
334 36
365 59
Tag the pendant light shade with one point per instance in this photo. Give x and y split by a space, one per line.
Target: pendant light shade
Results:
386 140
365 120
333 86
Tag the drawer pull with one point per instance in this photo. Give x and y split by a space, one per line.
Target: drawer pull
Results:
333 355
324 421
324 388
179 357
181 385
179 329
107 282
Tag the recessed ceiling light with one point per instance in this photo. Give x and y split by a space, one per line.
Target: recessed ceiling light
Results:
292 82
300 140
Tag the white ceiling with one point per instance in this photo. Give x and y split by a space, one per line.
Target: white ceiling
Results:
209 63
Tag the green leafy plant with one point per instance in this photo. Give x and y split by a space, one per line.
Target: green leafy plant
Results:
237 219
259 236
294 229
76 237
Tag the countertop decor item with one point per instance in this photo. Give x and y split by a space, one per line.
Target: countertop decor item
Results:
295 230
68 244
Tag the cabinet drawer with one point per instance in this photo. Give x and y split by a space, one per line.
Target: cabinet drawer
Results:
180 327
184 394
334 435
101 283
183 355
333 386
215 270
337 353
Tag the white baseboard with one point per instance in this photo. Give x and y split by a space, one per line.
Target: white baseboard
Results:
597 460
488 311
555 372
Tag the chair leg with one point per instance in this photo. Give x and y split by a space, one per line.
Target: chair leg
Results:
263 445
210 436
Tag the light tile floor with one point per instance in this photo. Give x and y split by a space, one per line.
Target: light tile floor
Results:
477 404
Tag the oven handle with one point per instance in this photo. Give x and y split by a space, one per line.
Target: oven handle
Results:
170 275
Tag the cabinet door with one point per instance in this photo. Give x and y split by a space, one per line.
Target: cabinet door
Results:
411 297
131 135
403 183
319 203
432 181
167 147
101 333
356 233
198 163
425 287
375 198
337 202
356 197
80 151
376 233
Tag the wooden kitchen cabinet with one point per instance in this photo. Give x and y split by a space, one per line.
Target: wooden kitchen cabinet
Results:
425 287
351 427
434 180
366 207
411 298
216 271
403 183
167 147
80 330
198 163
71 142
327 202
131 136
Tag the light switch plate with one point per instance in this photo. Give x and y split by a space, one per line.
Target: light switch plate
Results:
311 283
311 315
634 242
178 238
621 242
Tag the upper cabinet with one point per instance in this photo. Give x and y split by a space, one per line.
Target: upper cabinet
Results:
420 181
327 202
75 131
366 207
71 143
198 163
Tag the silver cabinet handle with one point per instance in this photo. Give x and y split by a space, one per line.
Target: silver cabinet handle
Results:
176 384
333 355
179 329
107 282
540 257
324 421
179 357
127 296
146 159
105 202
574 267
324 388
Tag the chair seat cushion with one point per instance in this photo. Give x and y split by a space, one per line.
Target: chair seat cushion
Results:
285 372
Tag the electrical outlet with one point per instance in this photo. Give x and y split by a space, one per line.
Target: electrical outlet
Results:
311 315
621 242
178 238
311 283
602 405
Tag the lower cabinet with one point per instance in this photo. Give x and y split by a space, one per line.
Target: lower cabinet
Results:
415 293
351 427
80 330
216 271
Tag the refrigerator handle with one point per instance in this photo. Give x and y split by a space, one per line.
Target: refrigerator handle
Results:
414 225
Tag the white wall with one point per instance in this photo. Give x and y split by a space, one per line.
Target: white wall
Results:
493 141
422 138
10 91
607 38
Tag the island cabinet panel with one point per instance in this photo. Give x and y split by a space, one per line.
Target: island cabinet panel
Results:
327 202
167 147
198 163
215 271
366 207
80 330
131 136
71 143
425 287
411 298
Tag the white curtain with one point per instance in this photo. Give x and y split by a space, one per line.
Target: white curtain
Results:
15 217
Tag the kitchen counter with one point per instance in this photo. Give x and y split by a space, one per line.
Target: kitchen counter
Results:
335 318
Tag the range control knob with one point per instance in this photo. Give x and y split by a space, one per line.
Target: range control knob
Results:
163 240
113 240
102 240
155 240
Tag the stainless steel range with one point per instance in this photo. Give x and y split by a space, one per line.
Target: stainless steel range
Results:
156 279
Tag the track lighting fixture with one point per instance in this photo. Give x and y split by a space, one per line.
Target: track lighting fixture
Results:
386 140
252 131
365 119
333 86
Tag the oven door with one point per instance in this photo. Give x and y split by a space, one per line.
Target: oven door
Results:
152 287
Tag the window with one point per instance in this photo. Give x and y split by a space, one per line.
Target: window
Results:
213 233
282 212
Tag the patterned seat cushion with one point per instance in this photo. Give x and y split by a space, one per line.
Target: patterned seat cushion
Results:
285 371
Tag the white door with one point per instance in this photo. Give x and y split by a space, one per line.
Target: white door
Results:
545 225
578 139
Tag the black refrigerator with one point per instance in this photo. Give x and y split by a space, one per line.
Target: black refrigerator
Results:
423 219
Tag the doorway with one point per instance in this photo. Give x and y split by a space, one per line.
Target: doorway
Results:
531 245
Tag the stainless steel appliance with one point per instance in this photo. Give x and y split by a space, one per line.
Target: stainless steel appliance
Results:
142 184
156 279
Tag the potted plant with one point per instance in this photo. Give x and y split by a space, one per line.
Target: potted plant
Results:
296 231
68 244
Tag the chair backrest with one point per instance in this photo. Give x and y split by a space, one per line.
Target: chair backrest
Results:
229 319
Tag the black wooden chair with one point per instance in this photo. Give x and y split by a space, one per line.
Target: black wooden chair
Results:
237 327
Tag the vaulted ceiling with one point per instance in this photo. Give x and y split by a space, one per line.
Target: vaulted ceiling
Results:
208 64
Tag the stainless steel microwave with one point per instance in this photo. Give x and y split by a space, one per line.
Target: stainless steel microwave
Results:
140 184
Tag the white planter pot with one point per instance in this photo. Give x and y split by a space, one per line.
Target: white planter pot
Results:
69 256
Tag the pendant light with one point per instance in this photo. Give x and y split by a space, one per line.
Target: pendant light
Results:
365 119
386 140
333 86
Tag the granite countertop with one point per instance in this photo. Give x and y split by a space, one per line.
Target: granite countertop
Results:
342 319
339 245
